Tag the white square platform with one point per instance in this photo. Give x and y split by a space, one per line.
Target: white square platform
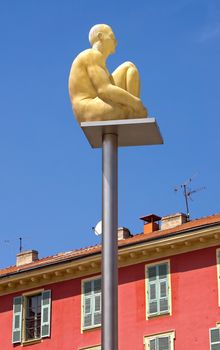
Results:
131 132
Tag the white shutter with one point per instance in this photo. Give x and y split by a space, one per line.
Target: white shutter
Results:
87 311
87 304
152 290
158 292
152 298
163 287
97 309
96 300
45 313
17 320
92 303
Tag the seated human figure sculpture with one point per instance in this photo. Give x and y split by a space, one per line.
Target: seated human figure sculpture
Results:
95 93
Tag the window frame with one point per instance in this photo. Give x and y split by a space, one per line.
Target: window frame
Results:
170 334
83 328
25 311
25 296
24 304
169 312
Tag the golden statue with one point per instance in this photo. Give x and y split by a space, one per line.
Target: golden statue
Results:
95 93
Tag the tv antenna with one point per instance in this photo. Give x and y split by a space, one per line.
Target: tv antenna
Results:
13 242
187 192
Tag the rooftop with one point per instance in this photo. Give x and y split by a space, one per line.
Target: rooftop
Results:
134 240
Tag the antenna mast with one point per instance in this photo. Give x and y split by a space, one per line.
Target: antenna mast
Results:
187 192
20 246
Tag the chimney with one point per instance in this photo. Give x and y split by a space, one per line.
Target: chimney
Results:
173 220
150 223
123 233
26 257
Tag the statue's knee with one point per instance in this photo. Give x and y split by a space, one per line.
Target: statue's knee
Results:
129 64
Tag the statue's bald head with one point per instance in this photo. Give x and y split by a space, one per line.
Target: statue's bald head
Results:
95 30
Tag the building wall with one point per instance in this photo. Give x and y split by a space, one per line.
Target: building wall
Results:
194 292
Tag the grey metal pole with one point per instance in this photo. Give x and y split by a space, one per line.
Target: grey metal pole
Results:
110 242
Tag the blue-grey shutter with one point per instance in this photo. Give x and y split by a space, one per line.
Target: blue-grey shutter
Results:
215 338
163 287
158 293
152 290
87 304
17 320
45 313
97 302
163 343
92 303
152 344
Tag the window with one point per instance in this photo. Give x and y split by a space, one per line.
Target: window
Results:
215 338
91 303
158 291
163 341
31 317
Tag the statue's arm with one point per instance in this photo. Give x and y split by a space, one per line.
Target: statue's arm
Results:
107 91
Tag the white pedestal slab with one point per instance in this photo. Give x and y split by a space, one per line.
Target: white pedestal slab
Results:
130 132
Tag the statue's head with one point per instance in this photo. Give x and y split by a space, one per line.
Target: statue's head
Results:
102 34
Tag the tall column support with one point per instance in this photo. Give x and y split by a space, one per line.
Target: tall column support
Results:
110 242
110 135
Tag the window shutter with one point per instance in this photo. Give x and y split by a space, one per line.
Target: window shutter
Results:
152 344
17 320
215 338
92 303
163 287
87 312
97 302
45 313
87 304
152 298
152 290
158 300
163 343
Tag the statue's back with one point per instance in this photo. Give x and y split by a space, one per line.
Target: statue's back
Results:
80 85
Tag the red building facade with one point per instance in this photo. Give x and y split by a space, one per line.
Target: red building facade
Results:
169 295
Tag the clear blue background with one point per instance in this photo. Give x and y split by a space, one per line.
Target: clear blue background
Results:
50 178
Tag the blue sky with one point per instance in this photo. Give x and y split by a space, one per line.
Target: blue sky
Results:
50 178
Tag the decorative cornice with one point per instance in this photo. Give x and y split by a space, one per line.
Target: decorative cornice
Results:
128 255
